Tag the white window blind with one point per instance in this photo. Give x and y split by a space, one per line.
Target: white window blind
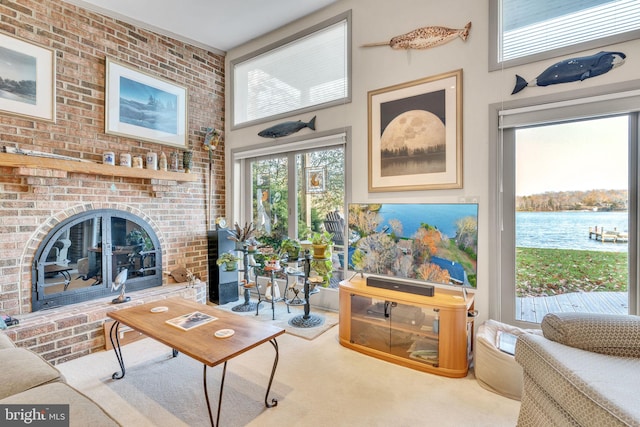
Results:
309 70
532 30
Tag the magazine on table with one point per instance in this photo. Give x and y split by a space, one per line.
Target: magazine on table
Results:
189 321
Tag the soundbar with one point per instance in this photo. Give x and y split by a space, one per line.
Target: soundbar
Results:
396 285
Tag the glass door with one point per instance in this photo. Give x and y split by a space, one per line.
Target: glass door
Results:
370 320
414 333
571 218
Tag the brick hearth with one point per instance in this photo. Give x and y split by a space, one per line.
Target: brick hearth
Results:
73 331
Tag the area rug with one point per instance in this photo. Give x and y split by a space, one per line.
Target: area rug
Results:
317 383
161 390
279 316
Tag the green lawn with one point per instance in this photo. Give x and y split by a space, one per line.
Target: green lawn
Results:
557 271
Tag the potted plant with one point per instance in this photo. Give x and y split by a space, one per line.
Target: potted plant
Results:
324 269
229 260
241 235
321 242
252 245
291 247
272 261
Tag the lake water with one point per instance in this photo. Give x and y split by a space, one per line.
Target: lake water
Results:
568 230
413 166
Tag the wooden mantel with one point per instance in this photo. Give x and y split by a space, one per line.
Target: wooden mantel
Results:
45 163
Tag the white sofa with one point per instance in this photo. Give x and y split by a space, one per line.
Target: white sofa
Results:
584 371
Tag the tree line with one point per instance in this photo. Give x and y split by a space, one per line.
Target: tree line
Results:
601 200
26 88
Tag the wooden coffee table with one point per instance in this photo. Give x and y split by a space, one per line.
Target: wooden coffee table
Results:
199 342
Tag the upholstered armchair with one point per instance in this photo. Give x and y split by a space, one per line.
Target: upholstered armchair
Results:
584 370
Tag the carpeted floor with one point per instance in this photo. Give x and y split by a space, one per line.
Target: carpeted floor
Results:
279 316
317 383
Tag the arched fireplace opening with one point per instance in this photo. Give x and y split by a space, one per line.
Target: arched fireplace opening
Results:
80 258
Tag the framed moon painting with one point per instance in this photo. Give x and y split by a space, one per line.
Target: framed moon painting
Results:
415 135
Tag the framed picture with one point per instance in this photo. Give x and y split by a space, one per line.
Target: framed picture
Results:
415 135
316 180
27 79
138 105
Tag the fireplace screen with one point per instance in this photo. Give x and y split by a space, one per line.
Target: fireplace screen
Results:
81 257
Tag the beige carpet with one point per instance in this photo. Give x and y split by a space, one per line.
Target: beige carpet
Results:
318 383
280 317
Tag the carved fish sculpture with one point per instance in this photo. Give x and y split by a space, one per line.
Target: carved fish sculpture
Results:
574 69
287 128
425 37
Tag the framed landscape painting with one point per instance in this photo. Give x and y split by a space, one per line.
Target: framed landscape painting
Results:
138 105
415 135
27 79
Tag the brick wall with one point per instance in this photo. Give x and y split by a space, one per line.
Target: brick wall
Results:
82 40
60 335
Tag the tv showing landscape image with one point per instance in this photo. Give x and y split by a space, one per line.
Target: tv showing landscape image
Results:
434 243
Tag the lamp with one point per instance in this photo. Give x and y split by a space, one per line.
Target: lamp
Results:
119 283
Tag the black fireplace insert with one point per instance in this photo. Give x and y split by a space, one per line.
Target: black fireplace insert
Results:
80 258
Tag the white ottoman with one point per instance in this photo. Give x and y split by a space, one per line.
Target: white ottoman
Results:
494 369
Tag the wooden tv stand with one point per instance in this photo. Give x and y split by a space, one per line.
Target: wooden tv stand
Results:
399 327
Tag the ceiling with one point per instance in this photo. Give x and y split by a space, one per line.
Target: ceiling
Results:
218 25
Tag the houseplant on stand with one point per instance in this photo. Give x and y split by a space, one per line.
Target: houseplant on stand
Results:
272 261
291 248
229 260
322 242
242 237
324 269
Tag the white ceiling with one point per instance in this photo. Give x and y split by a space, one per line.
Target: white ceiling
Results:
213 24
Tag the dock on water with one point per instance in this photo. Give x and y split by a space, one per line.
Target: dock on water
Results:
614 236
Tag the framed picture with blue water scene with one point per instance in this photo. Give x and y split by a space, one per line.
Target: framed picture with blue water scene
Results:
141 106
27 79
415 134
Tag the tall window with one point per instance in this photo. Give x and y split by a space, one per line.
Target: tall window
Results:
307 70
566 223
571 218
524 31
291 193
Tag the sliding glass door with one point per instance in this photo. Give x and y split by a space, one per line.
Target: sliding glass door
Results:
564 207
571 217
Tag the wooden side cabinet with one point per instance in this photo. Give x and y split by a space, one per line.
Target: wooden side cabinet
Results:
430 334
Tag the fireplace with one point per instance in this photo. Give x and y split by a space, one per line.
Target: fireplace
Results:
79 259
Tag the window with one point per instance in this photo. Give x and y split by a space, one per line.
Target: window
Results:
565 207
291 192
301 73
524 31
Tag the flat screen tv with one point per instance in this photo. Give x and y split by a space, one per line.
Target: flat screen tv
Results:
430 242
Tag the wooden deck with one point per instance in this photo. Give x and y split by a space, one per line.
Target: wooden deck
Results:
603 235
533 309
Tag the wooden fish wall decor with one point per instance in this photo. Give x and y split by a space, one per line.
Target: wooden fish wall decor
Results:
574 69
425 37
287 128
